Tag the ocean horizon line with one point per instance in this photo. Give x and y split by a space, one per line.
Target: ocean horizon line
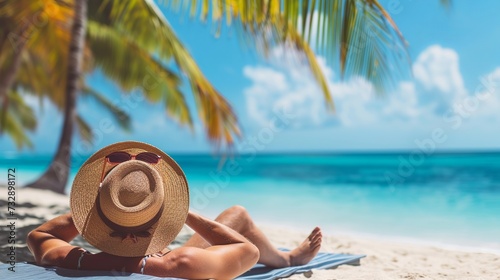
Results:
10 154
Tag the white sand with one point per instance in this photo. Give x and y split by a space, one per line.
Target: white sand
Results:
396 260
385 259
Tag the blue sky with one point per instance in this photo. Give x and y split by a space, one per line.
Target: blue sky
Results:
451 103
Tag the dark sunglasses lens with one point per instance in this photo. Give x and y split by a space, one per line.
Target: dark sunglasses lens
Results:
118 157
148 157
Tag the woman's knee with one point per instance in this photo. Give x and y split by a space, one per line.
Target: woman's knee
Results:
240 215
238 210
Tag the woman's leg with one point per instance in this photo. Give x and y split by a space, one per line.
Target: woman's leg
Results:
238 219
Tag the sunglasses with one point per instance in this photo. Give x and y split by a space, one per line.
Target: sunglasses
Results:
119 157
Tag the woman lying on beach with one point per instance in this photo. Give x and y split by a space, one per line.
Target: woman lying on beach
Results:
221 249
137 207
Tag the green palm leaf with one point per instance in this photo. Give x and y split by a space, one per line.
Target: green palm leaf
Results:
131 67
16 118
120 116
357 35
84 129
143 21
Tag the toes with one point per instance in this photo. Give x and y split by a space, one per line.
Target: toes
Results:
316 246
316 243
316 240
315 232
316 237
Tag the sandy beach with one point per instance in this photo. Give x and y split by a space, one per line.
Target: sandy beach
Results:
385 259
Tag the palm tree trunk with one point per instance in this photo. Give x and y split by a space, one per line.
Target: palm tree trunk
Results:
56 176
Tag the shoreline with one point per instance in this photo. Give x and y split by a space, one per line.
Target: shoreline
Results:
401 240
386 257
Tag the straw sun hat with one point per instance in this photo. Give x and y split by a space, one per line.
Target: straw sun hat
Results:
139 207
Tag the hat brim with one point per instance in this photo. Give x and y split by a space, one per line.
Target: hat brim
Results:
86 218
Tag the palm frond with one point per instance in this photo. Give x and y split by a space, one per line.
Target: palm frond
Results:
358 36
33 78
299 43
16 118
46 52
120 116
133 68
84 129
144 21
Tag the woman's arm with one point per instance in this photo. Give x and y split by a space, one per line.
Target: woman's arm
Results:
230 255
49 245
49 242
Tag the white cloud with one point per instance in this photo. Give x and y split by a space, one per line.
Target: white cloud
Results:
438 88
437 70
284 86
291 86
265 79
484 102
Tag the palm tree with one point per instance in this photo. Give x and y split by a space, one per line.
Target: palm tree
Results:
58 171
137 30
125 61
40 49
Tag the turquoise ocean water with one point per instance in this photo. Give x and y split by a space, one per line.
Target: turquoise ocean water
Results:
442 198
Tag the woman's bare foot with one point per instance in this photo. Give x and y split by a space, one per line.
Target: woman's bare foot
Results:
306 251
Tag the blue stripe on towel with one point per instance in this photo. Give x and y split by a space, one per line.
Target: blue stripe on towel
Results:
30 271
321 261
